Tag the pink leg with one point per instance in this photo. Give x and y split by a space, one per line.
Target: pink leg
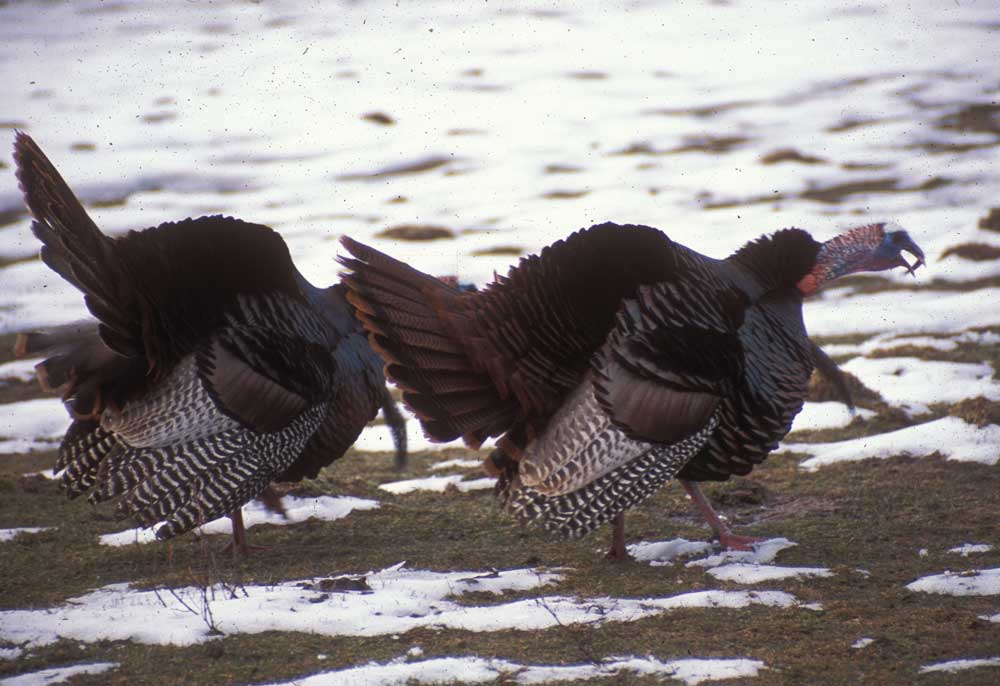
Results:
618 552
239 544
726 537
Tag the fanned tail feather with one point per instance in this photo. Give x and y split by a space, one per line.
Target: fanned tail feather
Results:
417 324
72 244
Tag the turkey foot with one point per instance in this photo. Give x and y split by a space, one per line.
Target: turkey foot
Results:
722 531
239 546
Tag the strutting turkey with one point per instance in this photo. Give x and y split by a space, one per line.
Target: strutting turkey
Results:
213 369
613 361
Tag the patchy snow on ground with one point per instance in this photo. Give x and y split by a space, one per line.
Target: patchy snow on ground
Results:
924 311
661 553
11 653
913 383
18 370
438 484
827 415
11 534
960 665
862 643
975 582
991 618
737 566
743 573
456 464
888 341
324 508
443 670
57 675
949 436
967 549
391 601
762 553
32 425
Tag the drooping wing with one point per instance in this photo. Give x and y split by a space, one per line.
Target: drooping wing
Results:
673 356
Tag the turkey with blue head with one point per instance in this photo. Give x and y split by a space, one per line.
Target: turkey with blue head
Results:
613 361
212 368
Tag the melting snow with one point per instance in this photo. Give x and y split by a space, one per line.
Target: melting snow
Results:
743 573
11 653
949 436
660 553
762 553
959 665
828 415
862 643
57 675
32 425
11 534
398 600
738 566
975 582
18 370
914 383
323 508
691 671
967 549
457 463
438 484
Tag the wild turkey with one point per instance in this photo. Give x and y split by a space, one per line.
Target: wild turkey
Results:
613 361
213 369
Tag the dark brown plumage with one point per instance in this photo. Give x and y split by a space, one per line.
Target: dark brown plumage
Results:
213 367
611 362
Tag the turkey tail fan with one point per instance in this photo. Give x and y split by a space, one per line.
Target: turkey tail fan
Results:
72 245
415 322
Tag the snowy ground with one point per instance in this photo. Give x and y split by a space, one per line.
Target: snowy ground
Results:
508 126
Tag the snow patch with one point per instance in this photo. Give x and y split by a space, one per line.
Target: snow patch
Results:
862 643
32 425
324 508
827 415
11 534
975 582
912 383
960 665
743 573
390 601
967 549
691 671
18 370
456 463
438 484
660 553
11 653
949 436
57 675
762 553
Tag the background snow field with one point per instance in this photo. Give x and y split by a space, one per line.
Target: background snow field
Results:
490 130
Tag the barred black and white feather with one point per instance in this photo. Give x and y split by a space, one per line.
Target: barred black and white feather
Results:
612 361
213 368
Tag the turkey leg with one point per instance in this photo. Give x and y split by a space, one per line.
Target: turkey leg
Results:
726 537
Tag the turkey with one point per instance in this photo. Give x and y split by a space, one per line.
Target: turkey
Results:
213 367
613 361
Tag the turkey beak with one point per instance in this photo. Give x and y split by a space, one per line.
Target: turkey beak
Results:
909 246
